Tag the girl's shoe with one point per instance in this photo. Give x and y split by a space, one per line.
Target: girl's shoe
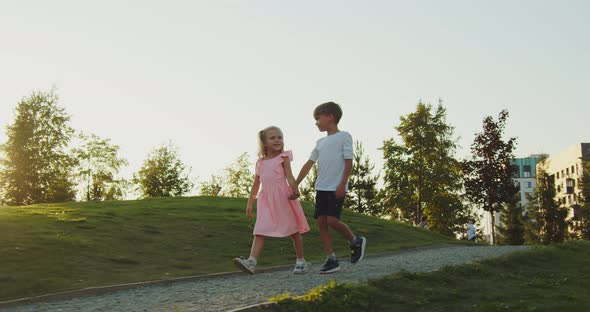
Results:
300 268
245 265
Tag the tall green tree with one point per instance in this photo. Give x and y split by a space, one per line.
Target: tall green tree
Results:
35 167
511 231
362 184
422 175
581 219
545 220
212 187
488 179
163 174
238 177
98 167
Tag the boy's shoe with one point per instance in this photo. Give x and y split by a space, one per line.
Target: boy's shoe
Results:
330 266
357 250
245 265
300 268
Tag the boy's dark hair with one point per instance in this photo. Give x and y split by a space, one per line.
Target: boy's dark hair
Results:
424 218
328 108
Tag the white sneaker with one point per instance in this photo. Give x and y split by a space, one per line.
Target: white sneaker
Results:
245 265
300 268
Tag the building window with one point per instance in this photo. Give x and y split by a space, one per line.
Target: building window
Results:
526 171
515 170
573 169
562 173
567 171
569 185
529 184
557 175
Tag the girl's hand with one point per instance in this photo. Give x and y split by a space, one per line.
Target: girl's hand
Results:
249 211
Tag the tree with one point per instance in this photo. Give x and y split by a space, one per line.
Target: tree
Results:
239 178
212 187
36 167
362 193
488 179
163 174
511 232
581 219
98 166
545 220
421 174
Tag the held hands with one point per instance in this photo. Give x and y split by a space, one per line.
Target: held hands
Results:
249 211
294 192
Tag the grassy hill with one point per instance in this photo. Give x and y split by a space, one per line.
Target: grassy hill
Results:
56 247
548 278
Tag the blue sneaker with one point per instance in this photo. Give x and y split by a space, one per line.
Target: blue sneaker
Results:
357 250
330 266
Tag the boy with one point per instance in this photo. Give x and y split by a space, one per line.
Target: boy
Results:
333 154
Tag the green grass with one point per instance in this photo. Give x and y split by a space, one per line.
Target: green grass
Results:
551 278
58 247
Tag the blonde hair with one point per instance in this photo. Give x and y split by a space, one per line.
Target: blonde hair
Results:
262 136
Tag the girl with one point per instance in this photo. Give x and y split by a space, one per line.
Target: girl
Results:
276 214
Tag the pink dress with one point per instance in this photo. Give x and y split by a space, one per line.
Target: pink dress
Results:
276 215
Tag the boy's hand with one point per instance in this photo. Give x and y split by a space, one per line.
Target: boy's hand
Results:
340 191
249 212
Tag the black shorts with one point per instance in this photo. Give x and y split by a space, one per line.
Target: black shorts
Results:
326 204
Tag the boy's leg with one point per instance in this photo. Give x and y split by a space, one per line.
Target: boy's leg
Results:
340 227
357 243
324 208
325 234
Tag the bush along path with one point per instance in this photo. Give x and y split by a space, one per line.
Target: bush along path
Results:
234 291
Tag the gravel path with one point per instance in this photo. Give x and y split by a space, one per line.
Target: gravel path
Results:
232 292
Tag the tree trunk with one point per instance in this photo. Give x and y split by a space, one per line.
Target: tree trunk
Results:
493 238
419 206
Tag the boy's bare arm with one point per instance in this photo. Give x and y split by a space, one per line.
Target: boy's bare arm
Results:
341 190
304 171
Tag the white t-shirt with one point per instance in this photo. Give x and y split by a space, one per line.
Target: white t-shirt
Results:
330 153
470 231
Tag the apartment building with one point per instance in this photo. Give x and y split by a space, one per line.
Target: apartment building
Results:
524 174
566 169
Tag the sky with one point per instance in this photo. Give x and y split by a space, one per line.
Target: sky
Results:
208 75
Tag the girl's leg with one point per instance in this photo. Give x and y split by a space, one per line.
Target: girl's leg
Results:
298 244
257 246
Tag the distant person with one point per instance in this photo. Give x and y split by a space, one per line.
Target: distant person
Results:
276 214
333 155
423 222
471 230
